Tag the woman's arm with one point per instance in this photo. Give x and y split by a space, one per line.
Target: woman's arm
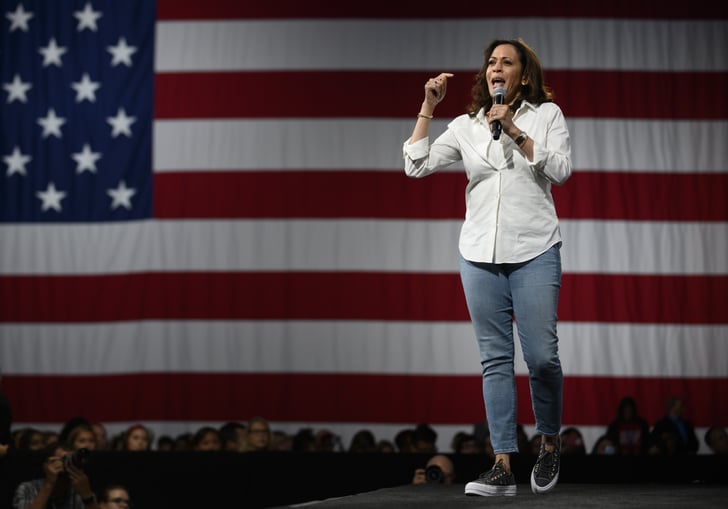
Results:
435 90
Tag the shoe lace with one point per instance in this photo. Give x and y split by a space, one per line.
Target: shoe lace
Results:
494 473
547 461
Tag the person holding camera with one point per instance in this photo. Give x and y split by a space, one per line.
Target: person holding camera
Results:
438 470
65 485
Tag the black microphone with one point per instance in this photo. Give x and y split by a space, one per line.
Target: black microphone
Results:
499 96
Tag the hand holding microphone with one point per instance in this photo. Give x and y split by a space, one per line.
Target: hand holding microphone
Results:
499 96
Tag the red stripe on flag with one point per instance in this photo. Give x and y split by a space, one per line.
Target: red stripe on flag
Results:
643 196
392 195
309 194
217 9
313 94
343 296
297 397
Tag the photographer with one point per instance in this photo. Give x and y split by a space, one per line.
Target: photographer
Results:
438 470
65 485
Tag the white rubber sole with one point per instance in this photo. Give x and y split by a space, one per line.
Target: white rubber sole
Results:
485 490
540 490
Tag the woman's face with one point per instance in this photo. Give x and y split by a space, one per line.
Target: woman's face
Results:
85 440
209 442
504 69
137 441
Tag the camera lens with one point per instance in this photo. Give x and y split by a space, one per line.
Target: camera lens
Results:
434 475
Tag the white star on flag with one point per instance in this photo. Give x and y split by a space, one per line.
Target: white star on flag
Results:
51 198
19 18
121 196
87 18
16 162
86 159
52 53
17 89
121 53
85 89
121 124
52 124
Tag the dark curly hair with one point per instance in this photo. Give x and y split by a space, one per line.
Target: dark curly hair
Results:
534 91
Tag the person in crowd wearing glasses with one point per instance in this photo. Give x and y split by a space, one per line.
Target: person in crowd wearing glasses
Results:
258 437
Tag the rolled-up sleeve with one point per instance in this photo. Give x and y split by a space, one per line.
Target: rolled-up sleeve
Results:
552 148
422 159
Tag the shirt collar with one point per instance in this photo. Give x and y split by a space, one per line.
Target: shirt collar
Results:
524 105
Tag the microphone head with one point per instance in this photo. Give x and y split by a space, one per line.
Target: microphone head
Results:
499 95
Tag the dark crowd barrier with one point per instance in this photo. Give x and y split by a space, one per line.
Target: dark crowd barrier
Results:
159 480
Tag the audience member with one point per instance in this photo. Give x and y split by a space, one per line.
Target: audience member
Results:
675 422
50 437
572 441
136 438
629 430
425 439
114 496
31 439
605 445
183 442
304 441
716 439
81 437
281 441
258 437
385 446
102 441
363 441
405 440
465 443
664 443
438 470
69 426
326 441
165 443
65 484
206 438
232 435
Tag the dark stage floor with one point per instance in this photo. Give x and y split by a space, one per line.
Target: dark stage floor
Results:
572 496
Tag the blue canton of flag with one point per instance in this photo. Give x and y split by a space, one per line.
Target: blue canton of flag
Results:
77 107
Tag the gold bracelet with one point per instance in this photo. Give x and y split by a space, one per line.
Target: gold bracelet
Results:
422 115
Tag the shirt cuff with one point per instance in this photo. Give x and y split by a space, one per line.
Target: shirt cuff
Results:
416 150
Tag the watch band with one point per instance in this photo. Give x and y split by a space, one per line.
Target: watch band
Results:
521 138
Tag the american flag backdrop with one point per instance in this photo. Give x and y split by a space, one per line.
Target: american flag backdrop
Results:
205 217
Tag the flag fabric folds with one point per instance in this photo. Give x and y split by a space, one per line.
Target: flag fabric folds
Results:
204 215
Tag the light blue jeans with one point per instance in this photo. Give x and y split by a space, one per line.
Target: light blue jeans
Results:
528 291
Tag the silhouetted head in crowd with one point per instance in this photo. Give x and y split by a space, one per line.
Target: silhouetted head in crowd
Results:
425 439
716 439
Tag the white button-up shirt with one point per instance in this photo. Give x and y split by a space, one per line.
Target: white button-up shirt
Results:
510 215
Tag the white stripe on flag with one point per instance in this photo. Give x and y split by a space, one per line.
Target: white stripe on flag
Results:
586 349
261 144
342 44
414 246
